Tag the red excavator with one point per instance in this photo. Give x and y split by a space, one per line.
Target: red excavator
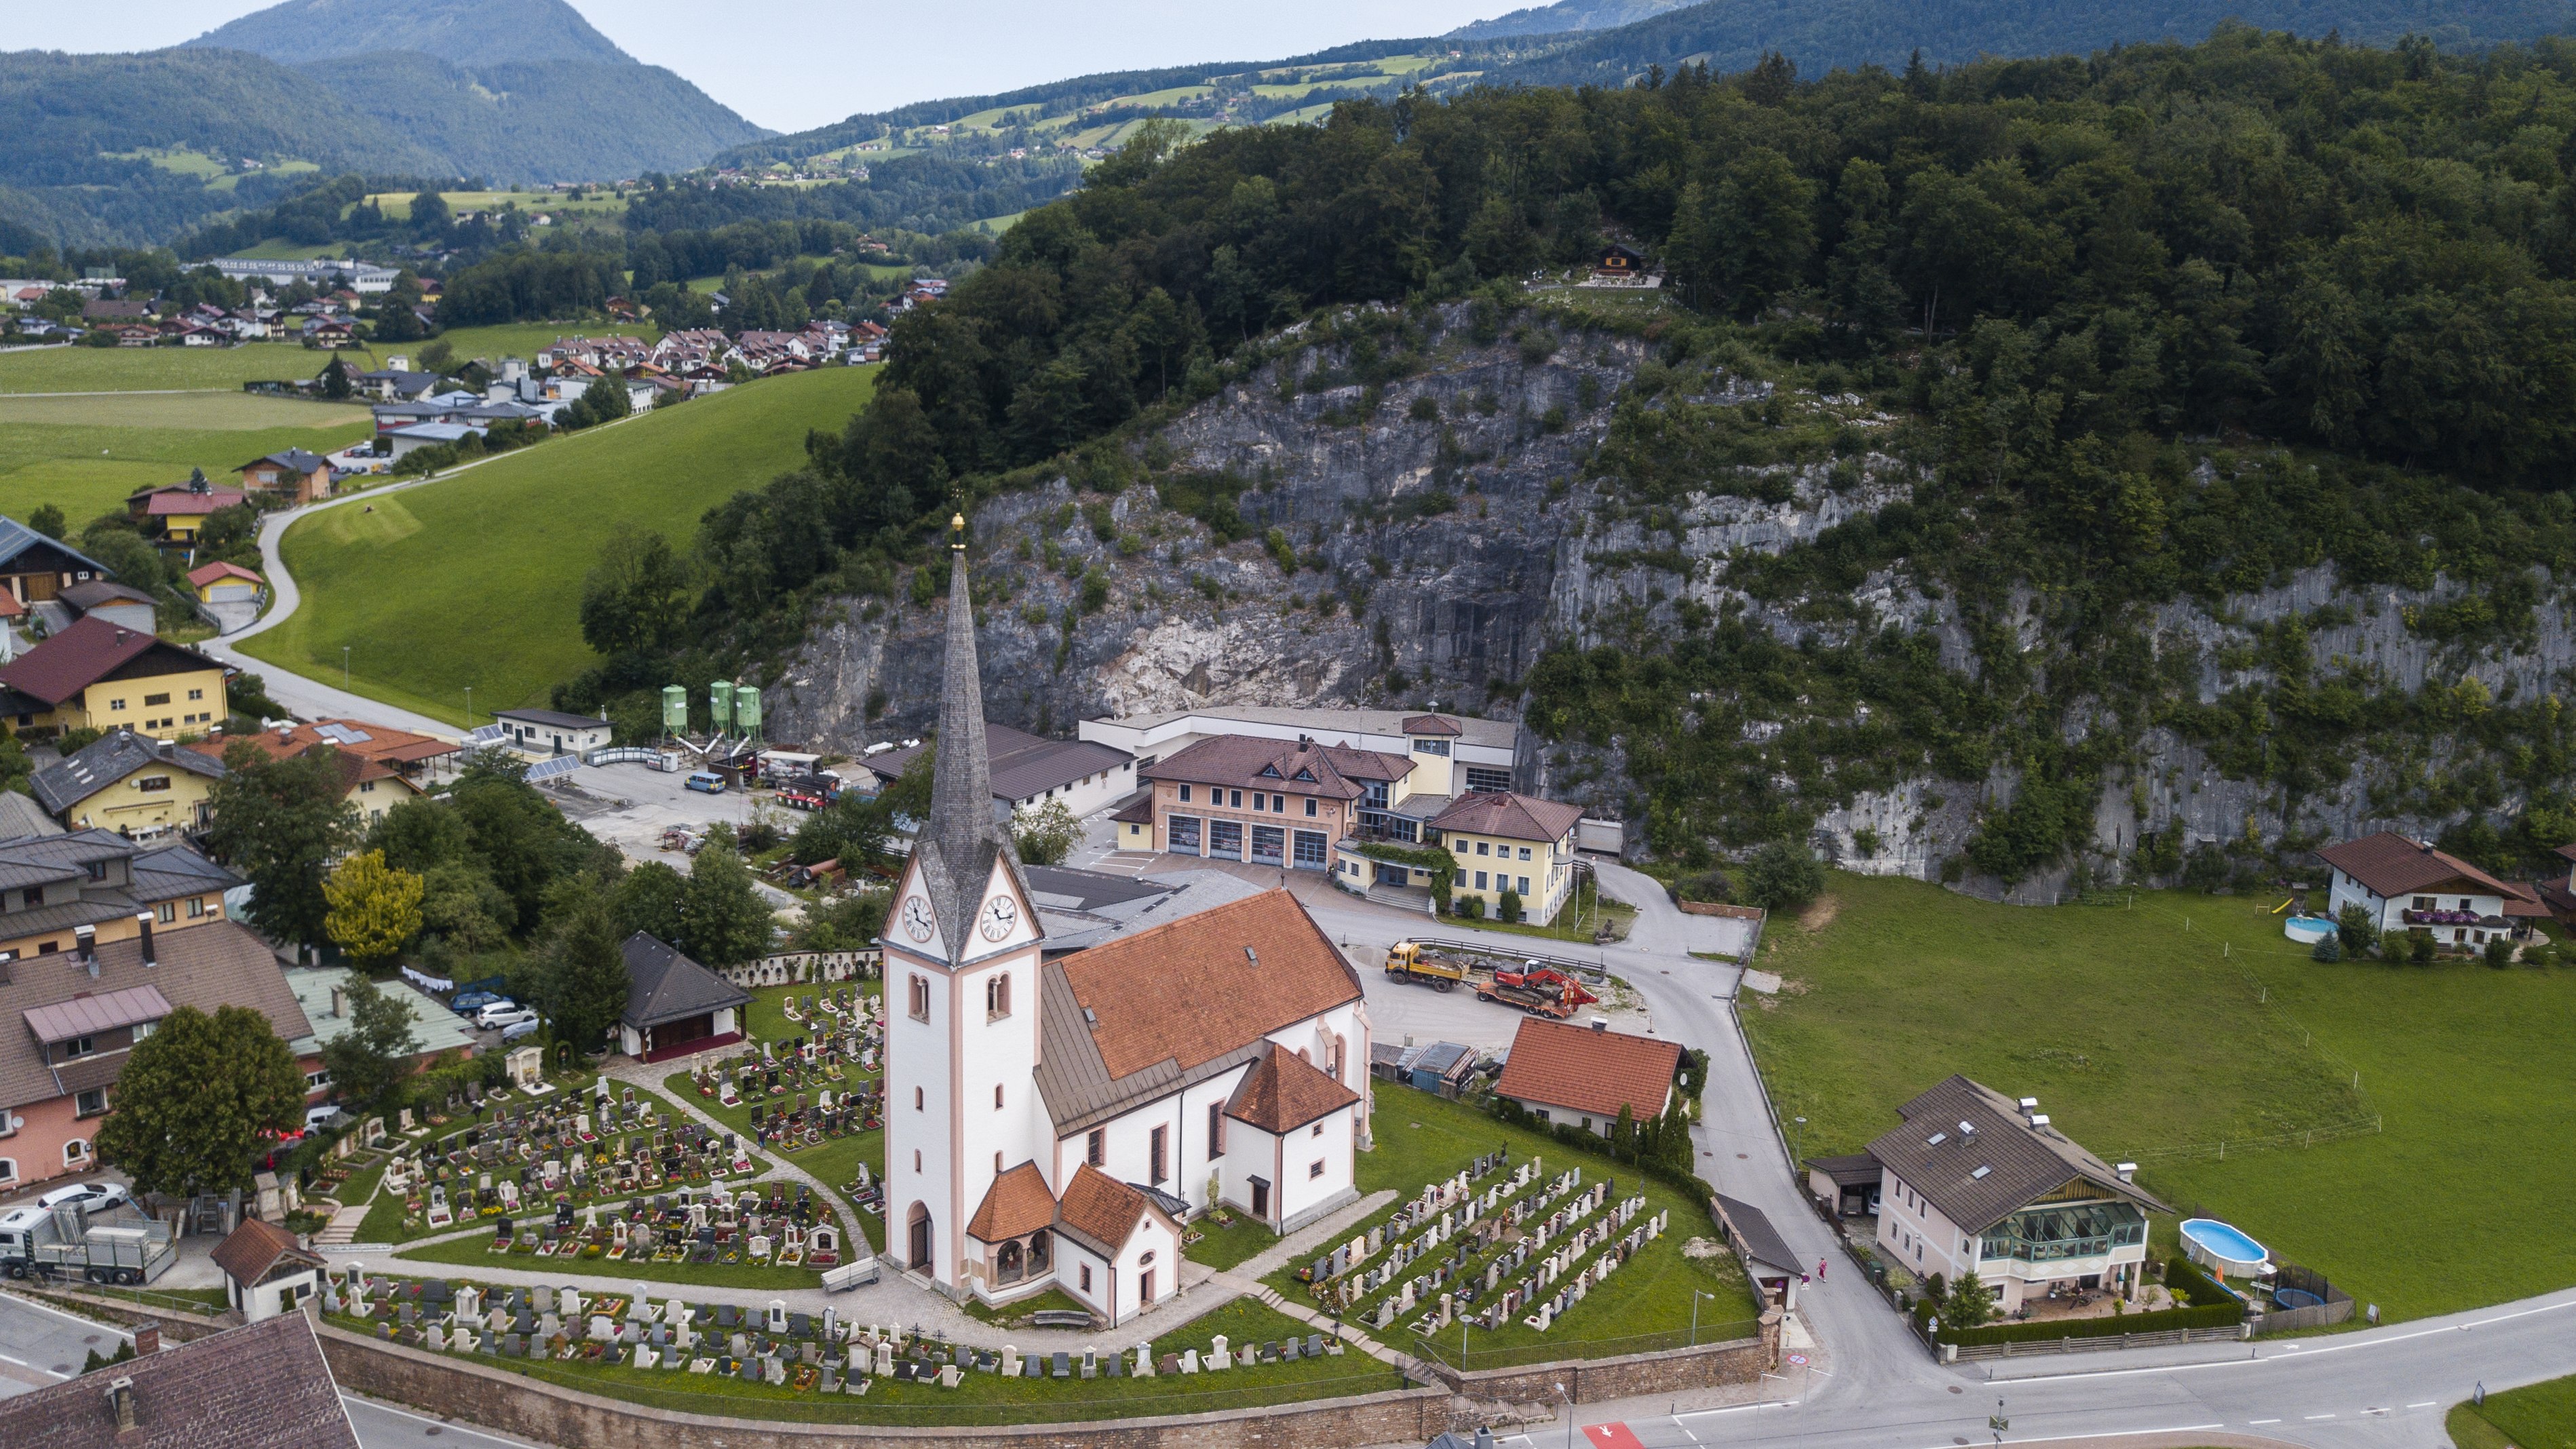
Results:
1538 990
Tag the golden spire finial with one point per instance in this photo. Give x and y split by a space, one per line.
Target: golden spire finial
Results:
957 531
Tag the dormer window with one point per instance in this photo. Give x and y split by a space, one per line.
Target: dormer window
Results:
1270 772
1307 776
80 1046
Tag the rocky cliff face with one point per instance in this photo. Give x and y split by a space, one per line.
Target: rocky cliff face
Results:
1432 549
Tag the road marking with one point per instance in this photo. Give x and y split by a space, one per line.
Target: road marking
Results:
1734 1409
2103 1434
2262 1421
2428 1403
1612 1436
2314 1353
2312 1418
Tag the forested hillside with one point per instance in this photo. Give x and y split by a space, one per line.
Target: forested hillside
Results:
1565 16
2132 463
466 32
1821 34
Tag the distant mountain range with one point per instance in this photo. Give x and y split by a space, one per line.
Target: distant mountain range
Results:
505 90
1564 17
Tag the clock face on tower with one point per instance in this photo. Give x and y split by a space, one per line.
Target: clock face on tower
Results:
999 916
917 920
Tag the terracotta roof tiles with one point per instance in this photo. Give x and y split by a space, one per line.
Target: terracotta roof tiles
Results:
1514 817
1100 1209
253 1249
1576 1068
2391 865
1284 1092
1207 984
1016 1205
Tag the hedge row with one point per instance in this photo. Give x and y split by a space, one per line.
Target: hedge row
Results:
2211 1307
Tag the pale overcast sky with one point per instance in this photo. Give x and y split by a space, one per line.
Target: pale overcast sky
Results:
795 64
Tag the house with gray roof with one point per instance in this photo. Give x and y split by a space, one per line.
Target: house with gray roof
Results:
130 783
1978 1182
1029 770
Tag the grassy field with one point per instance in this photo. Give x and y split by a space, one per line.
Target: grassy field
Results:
86 454
1422 1138
523 339
2541 1416
516 536
396 205
155 369
2160 1031
988 1398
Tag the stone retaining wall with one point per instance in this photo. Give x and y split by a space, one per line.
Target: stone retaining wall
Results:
509 1403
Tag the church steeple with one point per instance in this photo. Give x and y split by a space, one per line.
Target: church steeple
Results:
960 840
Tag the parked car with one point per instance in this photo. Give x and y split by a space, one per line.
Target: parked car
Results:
518 1029
316 1116
502 1014
706 782
92 1197
469 1002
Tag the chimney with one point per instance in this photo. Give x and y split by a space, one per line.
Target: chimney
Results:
2128 1171
2029 1106
143 928
1248 956
1601 1023
120 1392
85 947
1967 1131
147 1338
2039 1119
339 1002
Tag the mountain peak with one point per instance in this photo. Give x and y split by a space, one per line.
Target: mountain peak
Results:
461 32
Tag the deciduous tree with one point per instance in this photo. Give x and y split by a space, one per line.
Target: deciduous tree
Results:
373 1051
279 822
195 1099
375 908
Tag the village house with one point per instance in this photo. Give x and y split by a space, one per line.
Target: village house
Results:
1258 800
225 583
1505 843
74 889
1452 754
1976 1182
322 994
370 785
1049 1123
176 514
99 675
544 733
674 1006
1585 1076
263 1386
2407 885
35 568
132 784
114 603
1028 771
295 474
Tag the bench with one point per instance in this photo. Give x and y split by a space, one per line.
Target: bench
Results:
1059 1318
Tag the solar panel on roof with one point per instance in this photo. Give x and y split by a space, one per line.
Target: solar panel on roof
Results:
340 734
548 769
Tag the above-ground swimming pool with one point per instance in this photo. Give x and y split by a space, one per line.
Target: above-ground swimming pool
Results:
2222 1249
2308 930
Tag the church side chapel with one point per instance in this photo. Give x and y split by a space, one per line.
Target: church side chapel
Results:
1053 1124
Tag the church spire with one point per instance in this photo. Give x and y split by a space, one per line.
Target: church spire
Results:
961 788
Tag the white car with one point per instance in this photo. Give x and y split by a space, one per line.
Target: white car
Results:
92 1197
496 1016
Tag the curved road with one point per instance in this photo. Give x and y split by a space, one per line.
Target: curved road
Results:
1872 1386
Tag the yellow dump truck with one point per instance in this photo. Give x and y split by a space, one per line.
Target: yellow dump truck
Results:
1412 961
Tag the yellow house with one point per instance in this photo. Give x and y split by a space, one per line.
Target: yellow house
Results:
177 514
105 676
129 783
1517 843
371 786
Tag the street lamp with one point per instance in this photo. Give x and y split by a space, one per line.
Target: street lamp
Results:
1696 1296
469 706
1996 1423
1797 1144
344 667
1569 1415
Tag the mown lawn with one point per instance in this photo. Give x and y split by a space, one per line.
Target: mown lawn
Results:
143 369
989 1398
396 578
523 339
2157 1032
1422 1138
2539 1416
85 454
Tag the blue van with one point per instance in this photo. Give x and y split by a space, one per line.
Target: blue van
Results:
706 782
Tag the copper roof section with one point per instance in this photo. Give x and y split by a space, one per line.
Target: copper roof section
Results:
1557 1065
1514 817
1016 1205
2390 865
1284 1092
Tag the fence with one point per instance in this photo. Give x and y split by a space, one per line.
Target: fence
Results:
803 968
2026 1348
1461 1355
2303 1138
2333 1305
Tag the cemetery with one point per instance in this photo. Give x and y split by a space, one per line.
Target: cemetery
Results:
807 1088
724 1358
1515 1247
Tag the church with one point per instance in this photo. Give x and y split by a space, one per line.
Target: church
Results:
1053 1123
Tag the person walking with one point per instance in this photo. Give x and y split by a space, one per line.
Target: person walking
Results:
1820 1270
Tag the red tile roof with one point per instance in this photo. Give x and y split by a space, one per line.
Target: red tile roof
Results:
1284 1092
166 502
1207 984
1252 763
2392 865
1101 1208
205 574
1430 724
1514 817
1559 1065
1016 1205
73 660
253 1249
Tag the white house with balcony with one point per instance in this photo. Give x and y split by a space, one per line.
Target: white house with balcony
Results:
2407 885
1975 1181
